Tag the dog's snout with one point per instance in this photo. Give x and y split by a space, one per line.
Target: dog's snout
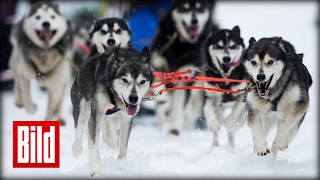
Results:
261 77
133 98
111 42
46 24
226 59
194 21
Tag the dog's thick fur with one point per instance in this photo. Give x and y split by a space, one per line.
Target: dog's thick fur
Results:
178 45
42 45
224 51
106 95
108 33
281 96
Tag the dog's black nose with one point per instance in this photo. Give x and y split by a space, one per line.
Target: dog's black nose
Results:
46 24
226 59
133 98
261 77
194 21
111 42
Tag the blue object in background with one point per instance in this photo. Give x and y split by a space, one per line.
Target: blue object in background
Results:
143 23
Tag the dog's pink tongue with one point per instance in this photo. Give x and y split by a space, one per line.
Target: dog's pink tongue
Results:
193 33
132 109
46 35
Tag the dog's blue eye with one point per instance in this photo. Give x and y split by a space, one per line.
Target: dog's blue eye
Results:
142 82
125 80
38 17
118 31
103 32
253 62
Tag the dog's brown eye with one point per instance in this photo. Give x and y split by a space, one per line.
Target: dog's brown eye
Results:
103 32
218 46
232 47
38 17
125 80
142 82
52 17
270 62
253 62
118 31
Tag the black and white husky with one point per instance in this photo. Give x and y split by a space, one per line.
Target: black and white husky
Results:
178 45
42 48
224 51
109 33
106 95
281 94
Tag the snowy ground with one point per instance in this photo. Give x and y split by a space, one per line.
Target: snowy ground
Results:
152 154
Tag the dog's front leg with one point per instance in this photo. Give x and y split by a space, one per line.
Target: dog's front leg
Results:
259 134
26 95
213 119
93 142
286 131
125 130
236 119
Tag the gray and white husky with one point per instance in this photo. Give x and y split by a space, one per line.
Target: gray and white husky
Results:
42 46
224 51
108 33
281 94
179 44
106 95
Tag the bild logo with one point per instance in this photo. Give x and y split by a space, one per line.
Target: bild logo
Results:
36 144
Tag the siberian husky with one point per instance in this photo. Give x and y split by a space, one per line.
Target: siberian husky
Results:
178 45
106 95
109 33
42 46
281 94
224 51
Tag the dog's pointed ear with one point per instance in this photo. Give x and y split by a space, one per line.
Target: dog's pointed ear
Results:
214 28
236 30
145 54
276 41
252 41
300 56
118 55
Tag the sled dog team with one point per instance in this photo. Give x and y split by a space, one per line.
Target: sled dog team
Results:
107 90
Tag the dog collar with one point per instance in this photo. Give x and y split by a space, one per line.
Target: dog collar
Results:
112 111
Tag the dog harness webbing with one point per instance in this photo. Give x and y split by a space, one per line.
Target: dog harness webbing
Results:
115 108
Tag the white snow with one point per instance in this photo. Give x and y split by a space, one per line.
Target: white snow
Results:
154 154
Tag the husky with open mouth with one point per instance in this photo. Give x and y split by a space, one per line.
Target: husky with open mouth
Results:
281 94
179 44
224 51
106 95
109 33
42 46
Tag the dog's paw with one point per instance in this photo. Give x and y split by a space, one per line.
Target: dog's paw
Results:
32 109
122 156
19 104
214 127
262 149
95 171
282 145
76 149
62 122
